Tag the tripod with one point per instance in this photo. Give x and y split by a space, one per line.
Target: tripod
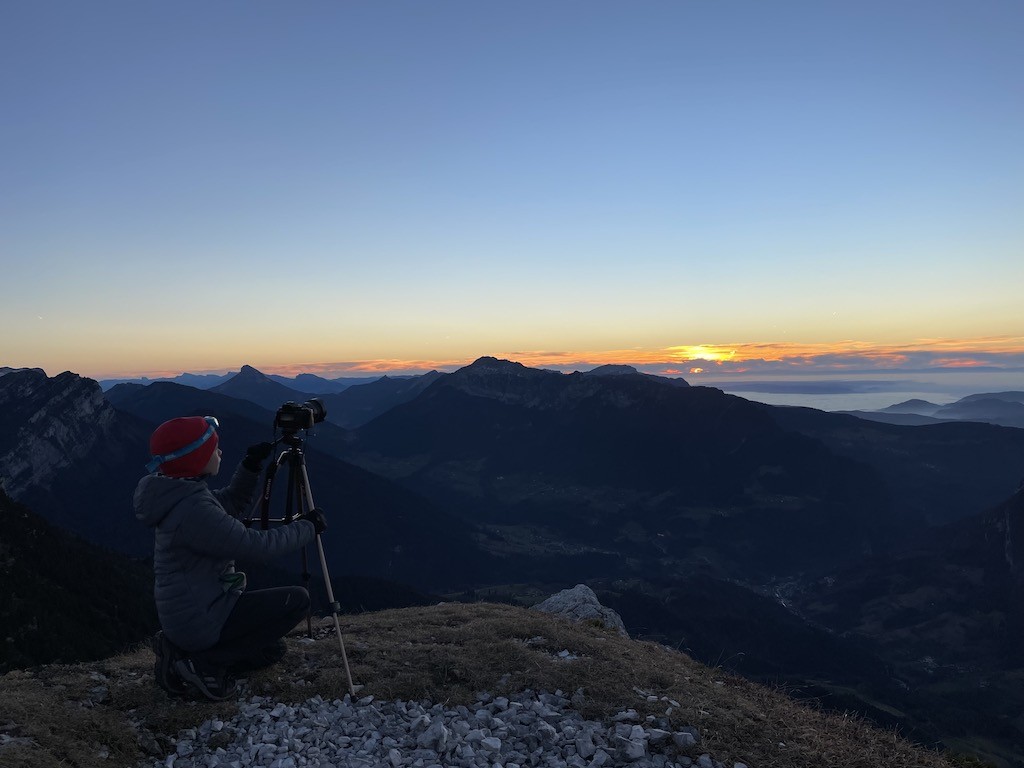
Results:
299 500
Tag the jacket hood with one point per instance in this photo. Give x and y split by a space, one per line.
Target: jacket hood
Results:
156 495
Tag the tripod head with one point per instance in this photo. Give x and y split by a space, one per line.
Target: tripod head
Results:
292 439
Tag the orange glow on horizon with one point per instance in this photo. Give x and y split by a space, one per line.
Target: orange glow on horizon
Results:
730 359
834 355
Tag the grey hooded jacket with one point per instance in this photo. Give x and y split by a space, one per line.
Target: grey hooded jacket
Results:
197 540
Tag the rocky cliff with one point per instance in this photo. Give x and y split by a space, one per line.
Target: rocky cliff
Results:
48 424
68 454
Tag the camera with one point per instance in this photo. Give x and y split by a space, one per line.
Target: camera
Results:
291 417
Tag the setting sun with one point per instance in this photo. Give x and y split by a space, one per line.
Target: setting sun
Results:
708 352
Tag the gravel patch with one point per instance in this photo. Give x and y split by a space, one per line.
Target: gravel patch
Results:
528 729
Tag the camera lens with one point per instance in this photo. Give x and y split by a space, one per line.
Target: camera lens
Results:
317 408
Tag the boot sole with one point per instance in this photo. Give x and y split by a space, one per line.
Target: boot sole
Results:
184 671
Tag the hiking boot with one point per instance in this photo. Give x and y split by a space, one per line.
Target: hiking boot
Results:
214 684
163 666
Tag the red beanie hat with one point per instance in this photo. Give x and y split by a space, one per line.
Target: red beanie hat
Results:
182 447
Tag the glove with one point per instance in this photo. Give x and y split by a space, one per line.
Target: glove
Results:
317 518
255 455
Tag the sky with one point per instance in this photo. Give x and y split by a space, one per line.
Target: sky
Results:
726 191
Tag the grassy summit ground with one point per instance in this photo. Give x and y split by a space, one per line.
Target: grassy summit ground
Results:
109 713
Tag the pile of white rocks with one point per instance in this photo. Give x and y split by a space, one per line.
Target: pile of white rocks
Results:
528 729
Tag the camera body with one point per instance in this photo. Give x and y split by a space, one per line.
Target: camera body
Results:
291 417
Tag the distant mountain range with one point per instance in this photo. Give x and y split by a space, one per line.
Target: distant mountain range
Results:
304 382
607 469
1002 408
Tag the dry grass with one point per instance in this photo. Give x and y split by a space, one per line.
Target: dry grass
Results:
445 653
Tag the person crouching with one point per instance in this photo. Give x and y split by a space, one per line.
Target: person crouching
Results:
209 623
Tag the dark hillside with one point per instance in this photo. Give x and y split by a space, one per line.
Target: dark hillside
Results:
947 618
161 401
64 599
364 402
1005 410
935 473
631 465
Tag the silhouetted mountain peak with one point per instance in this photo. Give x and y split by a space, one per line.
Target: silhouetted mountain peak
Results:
250 384
492 365
5 370
248 372
510 382
506 381
1011 397
628 370
915 406
612 370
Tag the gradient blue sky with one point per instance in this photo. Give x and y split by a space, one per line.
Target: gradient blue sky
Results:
341 187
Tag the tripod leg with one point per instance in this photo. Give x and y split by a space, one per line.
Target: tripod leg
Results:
335 610
263 500
297 485
335 605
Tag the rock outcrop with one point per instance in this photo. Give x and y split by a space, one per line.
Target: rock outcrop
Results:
70 456
46 425
581 604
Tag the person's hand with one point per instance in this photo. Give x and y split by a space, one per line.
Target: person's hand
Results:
317 518
255 455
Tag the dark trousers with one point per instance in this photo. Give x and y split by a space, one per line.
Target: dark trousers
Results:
259 619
